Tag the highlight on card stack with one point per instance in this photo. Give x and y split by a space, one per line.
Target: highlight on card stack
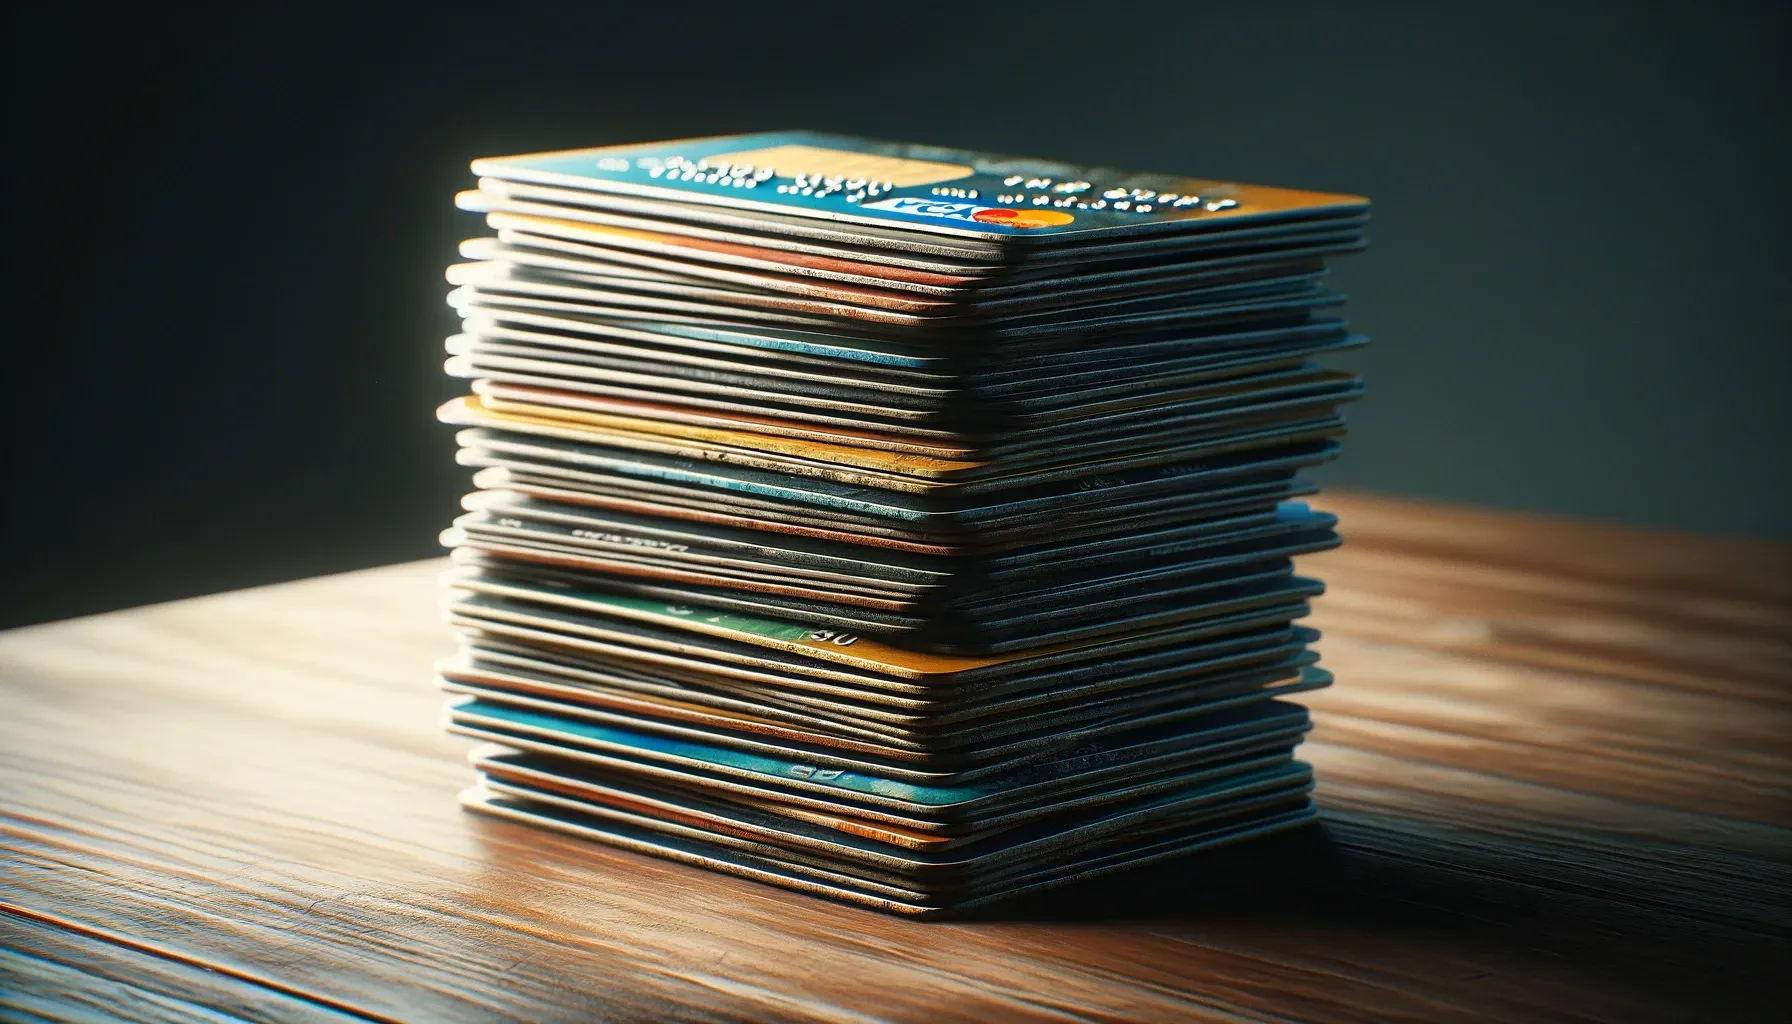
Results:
904 525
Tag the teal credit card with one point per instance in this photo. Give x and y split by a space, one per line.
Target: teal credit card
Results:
490 721
934 190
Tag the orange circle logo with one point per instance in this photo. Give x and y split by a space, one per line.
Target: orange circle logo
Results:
1023 218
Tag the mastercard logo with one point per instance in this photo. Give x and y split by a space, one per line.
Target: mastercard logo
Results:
1022 218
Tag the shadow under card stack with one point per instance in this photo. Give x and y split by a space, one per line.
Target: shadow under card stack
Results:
904 525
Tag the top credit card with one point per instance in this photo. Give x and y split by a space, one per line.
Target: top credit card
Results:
1007 200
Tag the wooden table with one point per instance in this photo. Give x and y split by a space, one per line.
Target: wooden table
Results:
1553 771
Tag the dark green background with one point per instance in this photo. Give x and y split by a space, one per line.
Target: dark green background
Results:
228 231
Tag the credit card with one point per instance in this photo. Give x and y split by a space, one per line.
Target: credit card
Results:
744 827
628 749
893 185
992 759
571 778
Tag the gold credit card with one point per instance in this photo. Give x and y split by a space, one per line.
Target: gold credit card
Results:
506 397
468 412
603 427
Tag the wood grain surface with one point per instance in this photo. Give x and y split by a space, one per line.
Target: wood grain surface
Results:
1554 776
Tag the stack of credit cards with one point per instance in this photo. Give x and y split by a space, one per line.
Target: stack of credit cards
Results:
905 525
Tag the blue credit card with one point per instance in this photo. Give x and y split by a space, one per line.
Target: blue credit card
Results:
490 720
973 757
933 190
1205 794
